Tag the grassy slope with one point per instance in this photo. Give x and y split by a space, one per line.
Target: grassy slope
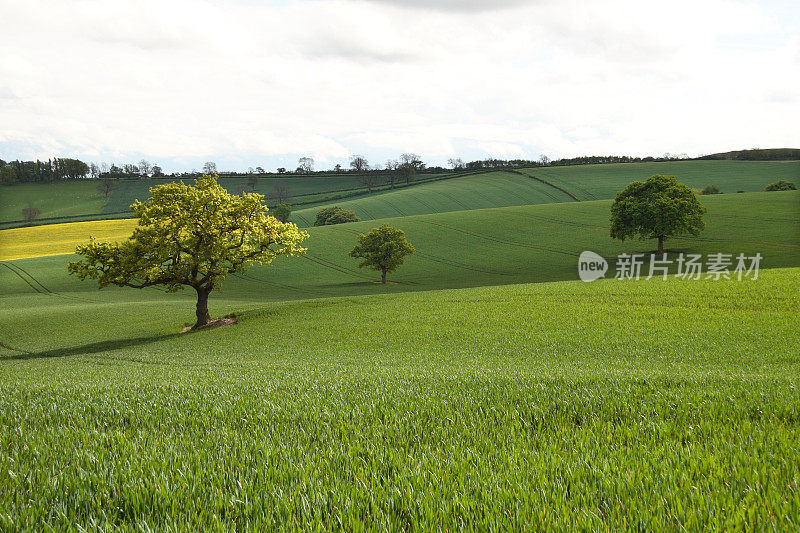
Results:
53 199
496 189
592 182
650 405
469 248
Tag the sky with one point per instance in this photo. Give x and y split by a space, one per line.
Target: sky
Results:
248 83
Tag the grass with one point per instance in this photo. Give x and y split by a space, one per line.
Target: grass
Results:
52 199
644 405
461 249
593 182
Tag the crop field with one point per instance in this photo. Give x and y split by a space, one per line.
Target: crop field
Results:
651 405
484 388
491 189
593 182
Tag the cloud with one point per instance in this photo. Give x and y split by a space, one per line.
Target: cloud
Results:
457 5
262 83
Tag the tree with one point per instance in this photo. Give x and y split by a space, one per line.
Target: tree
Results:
144 167
335 215
252 181
406 171
105 187
280 193
157 171
209 168
337 168
456 163
282 212
305 164
711 189
260 170
781 185
359 163
30 213
94 170
656 209
368 180
8 174
130 170
190 236
281 170
412 160
384 248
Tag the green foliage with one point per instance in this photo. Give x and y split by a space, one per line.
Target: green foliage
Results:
335 215
660 405
8 174
657 208
384 248
781 185
711 189
282 212
190 236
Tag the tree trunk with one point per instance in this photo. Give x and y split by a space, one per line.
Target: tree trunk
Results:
203 317
661 244
383 276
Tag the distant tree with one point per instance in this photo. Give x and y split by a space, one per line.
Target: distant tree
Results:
94 170
368 180
781 185
335 215
456 163
282 212
414 161
190 236
406 172
145 168
157 171
280 193
544 160
30 213
8 174
105 187
656 209
209 168
130 170
359 163
260 170
281 170
305 164
384 248
337 168
252 181
711 189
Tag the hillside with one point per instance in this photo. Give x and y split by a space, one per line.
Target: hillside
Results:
459 191
457 249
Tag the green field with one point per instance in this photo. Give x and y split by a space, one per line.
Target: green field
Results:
467 395
648 405
429 195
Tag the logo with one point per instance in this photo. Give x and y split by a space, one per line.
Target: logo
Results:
591 266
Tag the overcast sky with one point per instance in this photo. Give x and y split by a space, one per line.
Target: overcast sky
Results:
253 83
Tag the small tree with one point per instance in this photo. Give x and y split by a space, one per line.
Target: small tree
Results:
656 209
105 187
711 189
190 236
305 164
781 185
406 171
282 212
359 163
280 193
209 168
30 213
384 248
335 215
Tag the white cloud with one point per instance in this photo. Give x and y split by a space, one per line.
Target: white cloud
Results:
254 84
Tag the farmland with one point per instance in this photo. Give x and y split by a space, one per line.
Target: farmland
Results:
485 386
431 193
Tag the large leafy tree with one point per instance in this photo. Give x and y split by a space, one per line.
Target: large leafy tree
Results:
190 236
384 248
658 208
